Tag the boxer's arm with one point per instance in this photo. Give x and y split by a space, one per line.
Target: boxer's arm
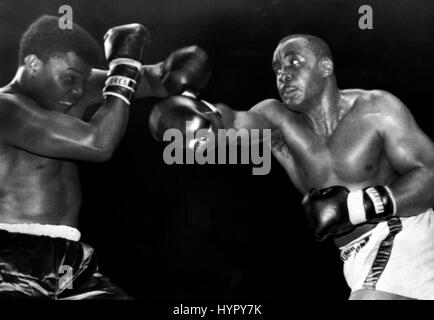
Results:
410 152
149 86
260 116
52 134
255 118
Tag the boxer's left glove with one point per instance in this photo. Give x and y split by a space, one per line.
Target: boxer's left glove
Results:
336 210
186 71
124 47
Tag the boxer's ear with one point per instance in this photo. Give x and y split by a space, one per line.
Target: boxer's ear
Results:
326 67
32 63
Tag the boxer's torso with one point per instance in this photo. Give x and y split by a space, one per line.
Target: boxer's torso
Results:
352 155
37 189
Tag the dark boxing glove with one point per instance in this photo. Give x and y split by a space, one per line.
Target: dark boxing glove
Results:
186 70
336 210
184 73
124 47
185 114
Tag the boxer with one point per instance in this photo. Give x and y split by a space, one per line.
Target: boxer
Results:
365 167
42 135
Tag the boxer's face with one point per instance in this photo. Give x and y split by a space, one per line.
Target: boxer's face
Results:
297 73
59 82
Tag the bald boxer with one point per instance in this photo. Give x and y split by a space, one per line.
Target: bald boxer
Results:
365 167
42 135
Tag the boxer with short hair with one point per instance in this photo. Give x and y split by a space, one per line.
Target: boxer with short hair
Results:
42 135
364 165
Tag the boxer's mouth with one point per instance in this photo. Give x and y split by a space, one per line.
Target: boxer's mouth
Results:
67 103
289 90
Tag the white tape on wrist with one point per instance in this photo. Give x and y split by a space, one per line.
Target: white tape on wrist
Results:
209 105
356 207
110 93
124 61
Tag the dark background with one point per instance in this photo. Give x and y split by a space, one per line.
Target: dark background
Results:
211 232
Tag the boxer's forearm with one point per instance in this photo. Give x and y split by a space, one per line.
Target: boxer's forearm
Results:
109 124
413 192
243 123
233 119
151 85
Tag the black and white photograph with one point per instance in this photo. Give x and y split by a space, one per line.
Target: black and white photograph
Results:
216 157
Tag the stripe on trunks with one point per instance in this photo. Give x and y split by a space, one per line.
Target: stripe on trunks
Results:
383 254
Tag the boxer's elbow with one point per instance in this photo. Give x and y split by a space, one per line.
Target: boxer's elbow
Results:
425 176
103 155
427 181
426 167
98 148
97 154
428 173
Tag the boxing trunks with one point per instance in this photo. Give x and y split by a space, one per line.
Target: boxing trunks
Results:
397 256
48 262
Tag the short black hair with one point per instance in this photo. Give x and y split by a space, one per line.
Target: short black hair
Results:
318 46
45 39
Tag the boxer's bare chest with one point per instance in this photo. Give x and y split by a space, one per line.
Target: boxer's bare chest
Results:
352 155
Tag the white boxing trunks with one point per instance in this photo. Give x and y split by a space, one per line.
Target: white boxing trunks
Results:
397 256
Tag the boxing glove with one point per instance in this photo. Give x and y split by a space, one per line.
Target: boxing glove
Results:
335 210
185 114
186 70
124 47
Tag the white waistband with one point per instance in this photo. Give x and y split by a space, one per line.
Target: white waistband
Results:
54 231
423 215
363 236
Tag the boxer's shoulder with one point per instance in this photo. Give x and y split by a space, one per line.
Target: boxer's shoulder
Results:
374 104
8 101
14 102
16 111
272 109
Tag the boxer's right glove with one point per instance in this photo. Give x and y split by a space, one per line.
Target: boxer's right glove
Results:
124 46
186 114
336 210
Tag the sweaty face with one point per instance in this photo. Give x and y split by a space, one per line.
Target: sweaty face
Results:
59 82
297 73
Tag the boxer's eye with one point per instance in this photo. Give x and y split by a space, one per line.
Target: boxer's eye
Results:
69 79
295 62
277 69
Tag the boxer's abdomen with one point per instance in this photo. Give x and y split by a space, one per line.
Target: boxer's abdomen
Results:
34 189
